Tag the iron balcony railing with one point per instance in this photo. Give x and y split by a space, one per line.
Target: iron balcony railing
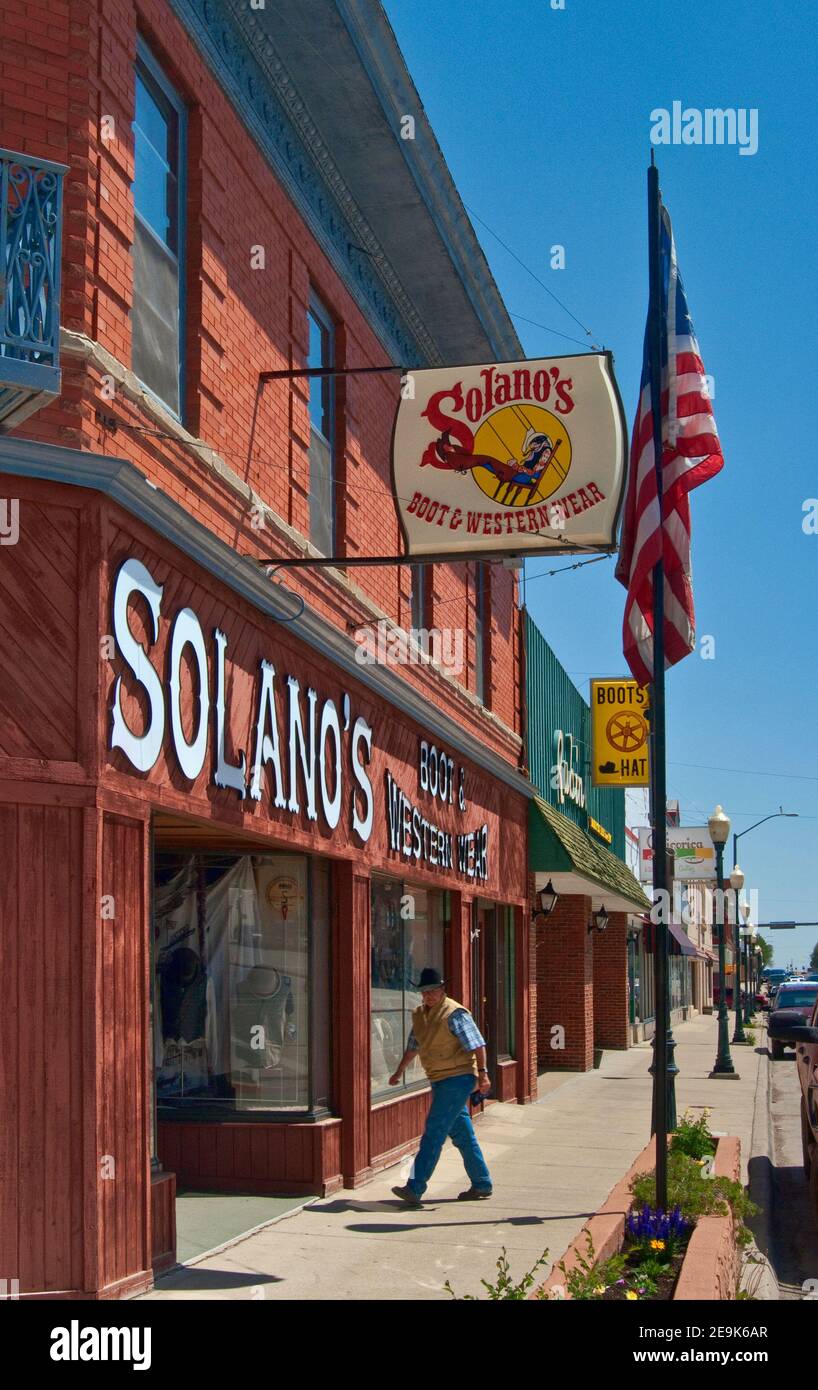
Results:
30 253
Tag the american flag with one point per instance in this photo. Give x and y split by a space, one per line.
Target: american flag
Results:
691 454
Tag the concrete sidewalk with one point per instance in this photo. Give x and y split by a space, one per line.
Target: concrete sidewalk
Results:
553 1164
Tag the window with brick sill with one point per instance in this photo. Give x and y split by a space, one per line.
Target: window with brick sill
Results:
421 599
159 128
321 353
482 634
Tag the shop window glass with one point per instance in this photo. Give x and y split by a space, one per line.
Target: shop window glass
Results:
678 965
156 320
241 1006
407 934
649 992
505 983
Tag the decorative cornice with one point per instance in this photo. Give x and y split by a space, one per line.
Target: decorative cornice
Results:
270 107
124 484
381 58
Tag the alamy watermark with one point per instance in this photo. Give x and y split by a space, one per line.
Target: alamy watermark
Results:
713 125
380 644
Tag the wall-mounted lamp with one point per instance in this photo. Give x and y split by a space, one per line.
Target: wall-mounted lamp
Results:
599 921
546 900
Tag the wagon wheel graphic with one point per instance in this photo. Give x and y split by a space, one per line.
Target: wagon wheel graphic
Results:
626 732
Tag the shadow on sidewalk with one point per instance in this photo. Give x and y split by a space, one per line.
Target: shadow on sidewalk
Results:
339 1208
184 1277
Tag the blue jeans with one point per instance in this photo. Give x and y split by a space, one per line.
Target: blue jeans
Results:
449 1117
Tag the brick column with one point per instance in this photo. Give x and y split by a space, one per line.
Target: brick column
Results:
565 990
458 984
611 983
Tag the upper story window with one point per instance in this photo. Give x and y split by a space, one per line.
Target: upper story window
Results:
156 316
420 596
482 621
322 429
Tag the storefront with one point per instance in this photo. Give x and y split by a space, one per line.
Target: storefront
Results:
588 969
274 841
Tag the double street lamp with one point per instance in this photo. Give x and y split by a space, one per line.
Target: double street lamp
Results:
749 971
737 883
719 827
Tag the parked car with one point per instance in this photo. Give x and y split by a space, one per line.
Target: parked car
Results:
804 1039
792 1007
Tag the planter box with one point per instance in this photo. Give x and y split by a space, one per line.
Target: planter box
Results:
710 1268
711 1264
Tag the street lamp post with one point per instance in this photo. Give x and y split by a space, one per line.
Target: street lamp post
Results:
737 883
749 942
738 1035
719 827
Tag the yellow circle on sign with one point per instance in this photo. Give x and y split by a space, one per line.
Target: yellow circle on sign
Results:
533 453
626 731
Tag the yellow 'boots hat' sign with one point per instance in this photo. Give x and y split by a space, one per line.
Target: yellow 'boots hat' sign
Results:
620 733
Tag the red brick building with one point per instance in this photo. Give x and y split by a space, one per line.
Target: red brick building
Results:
232 837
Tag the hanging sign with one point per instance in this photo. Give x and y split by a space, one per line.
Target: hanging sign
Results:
694 856
619 734
510 458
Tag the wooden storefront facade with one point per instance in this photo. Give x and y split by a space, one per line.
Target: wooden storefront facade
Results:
111 658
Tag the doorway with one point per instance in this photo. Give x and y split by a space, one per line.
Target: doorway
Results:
492 980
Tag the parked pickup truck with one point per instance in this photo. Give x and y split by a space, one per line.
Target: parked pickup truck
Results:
792 1006
804 1038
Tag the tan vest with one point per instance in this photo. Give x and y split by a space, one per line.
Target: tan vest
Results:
441 1055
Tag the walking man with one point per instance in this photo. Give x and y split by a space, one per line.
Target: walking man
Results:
453 1055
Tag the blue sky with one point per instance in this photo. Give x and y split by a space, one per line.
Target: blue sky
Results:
544 118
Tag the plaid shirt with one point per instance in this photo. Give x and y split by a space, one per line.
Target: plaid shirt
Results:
463 1027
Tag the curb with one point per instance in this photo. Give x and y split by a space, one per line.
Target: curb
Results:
760 1181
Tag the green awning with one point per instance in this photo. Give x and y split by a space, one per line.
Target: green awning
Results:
557 845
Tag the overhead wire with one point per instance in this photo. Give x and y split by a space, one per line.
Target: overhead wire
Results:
534 276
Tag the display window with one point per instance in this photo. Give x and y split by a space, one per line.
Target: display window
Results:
506 972
408 933
241 1004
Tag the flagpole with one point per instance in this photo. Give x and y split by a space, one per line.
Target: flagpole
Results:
658 774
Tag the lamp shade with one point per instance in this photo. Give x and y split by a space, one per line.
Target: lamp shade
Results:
737 878
547 898
719 826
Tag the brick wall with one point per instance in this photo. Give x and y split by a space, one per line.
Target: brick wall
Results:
68 95
611 983
565 989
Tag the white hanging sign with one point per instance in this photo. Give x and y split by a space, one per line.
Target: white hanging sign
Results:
517 457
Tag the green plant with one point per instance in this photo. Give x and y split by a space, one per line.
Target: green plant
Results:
504 1286
589 1279
696 1195
693 1137
651 1267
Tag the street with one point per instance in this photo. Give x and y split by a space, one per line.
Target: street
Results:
793 1236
